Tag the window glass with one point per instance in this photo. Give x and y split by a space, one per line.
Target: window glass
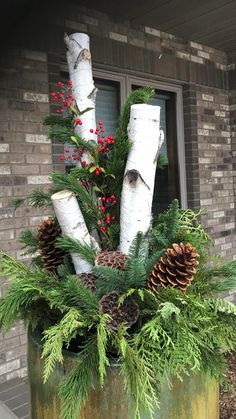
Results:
107 105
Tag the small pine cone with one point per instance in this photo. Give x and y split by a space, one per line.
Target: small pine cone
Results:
114 259
176 268
126 313
48 233
88 280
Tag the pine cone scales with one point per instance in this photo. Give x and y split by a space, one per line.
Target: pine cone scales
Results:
114 259
88 280
48 232
126 313
176 268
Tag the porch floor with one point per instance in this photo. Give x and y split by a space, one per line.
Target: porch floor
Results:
15 399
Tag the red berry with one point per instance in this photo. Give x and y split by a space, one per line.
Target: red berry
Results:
84 163
91 130
62 158
104 229
97 172
112 196
103 198
102 208
67 150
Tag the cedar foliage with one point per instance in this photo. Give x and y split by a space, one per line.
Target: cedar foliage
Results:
175 332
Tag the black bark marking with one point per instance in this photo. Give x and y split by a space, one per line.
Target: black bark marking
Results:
133 176
83 55
93 94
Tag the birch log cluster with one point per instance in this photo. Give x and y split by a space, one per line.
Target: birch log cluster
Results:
139 176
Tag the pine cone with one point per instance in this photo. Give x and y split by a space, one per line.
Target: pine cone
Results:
114 259
88 280
176 268
126 313
48 232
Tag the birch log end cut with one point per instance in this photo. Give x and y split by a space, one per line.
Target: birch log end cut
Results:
71 221
139 177
83 88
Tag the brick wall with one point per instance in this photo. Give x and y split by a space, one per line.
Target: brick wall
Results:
32 62
25 162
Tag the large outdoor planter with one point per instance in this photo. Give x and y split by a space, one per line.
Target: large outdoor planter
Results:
194 398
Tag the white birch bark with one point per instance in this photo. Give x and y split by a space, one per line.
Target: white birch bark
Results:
139 177
71 221
83 88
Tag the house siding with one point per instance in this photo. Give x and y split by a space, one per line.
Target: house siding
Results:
30 66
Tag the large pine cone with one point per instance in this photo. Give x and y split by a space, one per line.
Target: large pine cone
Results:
176 268
126 313
48 232
114 259
88 280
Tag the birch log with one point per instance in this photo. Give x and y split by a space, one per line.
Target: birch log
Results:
83 88
139 177
71 221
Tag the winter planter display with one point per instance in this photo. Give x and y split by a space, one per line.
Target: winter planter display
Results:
131 324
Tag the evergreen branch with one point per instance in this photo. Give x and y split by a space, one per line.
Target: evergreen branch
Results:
75 387
138 247
29 239
88 145
222 306
73 293
71 245
173 219
63 121
108 279
162 161
152 260
60 133
17 202
54 338
135 271
40 199
103 336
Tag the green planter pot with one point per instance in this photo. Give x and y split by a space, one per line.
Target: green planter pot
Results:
195 398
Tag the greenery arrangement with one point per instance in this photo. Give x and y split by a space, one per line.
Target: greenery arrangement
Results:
155 310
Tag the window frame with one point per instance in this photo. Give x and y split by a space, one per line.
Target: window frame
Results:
126 81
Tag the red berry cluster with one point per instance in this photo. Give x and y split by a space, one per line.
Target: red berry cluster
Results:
76 155
104 142
63 97
105 208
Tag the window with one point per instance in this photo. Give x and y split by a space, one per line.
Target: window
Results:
113 88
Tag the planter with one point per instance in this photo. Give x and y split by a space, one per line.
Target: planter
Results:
197 397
